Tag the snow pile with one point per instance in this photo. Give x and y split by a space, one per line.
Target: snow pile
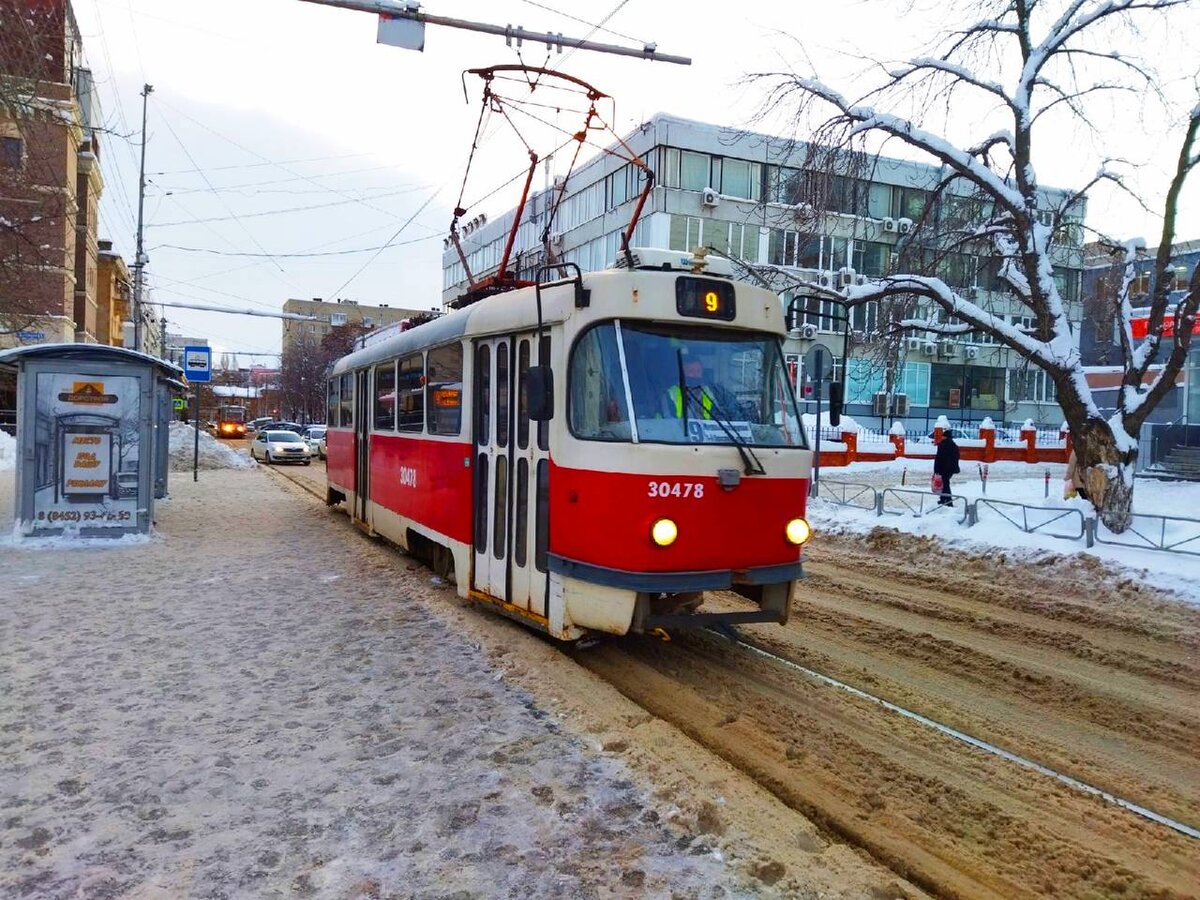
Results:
213 453
8 451
847 424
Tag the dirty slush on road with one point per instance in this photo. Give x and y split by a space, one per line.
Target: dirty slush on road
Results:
1092 674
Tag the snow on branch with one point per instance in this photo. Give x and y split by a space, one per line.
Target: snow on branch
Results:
867 119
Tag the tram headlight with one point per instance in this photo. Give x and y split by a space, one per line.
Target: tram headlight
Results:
663 532
797 531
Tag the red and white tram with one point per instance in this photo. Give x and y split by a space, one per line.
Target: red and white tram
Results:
668 461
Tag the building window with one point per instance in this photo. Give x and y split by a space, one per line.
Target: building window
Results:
368 322
967 387
740 178
12 152
909 203
685 233
693 170
1031 385
865 379
1067 282
338 319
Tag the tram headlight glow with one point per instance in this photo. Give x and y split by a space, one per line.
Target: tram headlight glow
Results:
797 531
663 532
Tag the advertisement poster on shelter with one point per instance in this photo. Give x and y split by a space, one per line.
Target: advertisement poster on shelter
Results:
86 451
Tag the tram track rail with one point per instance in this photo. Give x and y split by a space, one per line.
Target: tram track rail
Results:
971 741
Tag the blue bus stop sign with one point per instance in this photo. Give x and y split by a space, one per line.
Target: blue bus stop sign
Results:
197 363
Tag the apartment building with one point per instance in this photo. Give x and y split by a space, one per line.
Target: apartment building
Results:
330 314
755 197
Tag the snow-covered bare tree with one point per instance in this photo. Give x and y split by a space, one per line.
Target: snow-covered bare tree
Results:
1017 66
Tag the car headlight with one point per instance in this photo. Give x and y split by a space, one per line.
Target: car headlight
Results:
663 532
797 531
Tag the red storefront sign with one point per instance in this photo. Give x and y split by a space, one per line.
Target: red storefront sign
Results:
1140 325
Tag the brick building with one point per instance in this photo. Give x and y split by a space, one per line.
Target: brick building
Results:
50 182
113 296
335 314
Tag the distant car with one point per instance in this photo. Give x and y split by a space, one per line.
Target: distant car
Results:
281 425
958 434
314 435
280 446
127 485
257 424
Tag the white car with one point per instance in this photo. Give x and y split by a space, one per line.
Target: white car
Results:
315 436
280 446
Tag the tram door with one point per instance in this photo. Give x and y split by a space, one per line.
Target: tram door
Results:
511 476
362 432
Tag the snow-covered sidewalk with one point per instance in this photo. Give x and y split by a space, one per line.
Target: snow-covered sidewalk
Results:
1022 483
257 703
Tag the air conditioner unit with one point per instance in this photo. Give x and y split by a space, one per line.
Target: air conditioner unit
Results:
889 224
914 344
825 279
904 226
949 348
860 279
971 352
879 405
930 348
846 277
900 405
709 197
808 332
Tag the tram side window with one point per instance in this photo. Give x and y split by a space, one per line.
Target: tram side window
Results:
347 400
444 389
410 388
597 398
385 397
333 403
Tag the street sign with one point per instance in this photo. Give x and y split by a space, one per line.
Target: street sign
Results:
197 363
178 403
407 34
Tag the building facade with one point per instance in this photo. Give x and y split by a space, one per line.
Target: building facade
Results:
755 197
113 296
50 182
334 314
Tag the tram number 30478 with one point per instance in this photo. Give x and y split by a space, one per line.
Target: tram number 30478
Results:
685 489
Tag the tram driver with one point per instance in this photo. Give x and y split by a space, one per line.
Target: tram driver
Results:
703 394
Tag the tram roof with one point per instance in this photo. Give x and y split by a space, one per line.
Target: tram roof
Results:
514 310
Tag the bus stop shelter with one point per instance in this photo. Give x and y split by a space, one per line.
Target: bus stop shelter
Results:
93 437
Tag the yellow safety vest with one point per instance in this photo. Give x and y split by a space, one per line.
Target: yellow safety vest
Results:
706 402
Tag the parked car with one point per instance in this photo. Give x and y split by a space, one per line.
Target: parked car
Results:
281 425
959 434
314 435
257 424
273 446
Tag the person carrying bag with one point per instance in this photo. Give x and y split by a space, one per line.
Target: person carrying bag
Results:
945 465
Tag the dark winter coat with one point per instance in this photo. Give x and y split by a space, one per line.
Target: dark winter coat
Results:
946 460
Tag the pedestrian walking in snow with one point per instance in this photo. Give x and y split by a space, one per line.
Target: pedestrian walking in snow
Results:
1073 483
945 464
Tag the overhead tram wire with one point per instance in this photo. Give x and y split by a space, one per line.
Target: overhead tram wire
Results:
209 250
390 242
580 21
261 165
274 212
280 166
599 27
203 175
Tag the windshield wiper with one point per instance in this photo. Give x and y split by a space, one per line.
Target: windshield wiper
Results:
683 392
752 464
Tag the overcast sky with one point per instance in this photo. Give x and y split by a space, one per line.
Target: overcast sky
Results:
279 127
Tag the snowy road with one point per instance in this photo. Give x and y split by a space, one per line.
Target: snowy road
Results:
258 704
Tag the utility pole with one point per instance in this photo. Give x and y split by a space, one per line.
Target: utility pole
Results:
139 260
162 336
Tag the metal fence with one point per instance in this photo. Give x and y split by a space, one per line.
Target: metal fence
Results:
1167 534
1173 534
1054 521
849 493
904 501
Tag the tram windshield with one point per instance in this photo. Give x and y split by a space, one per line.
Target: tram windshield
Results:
686 384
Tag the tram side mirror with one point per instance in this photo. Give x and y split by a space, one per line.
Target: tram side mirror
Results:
541 393
836 401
